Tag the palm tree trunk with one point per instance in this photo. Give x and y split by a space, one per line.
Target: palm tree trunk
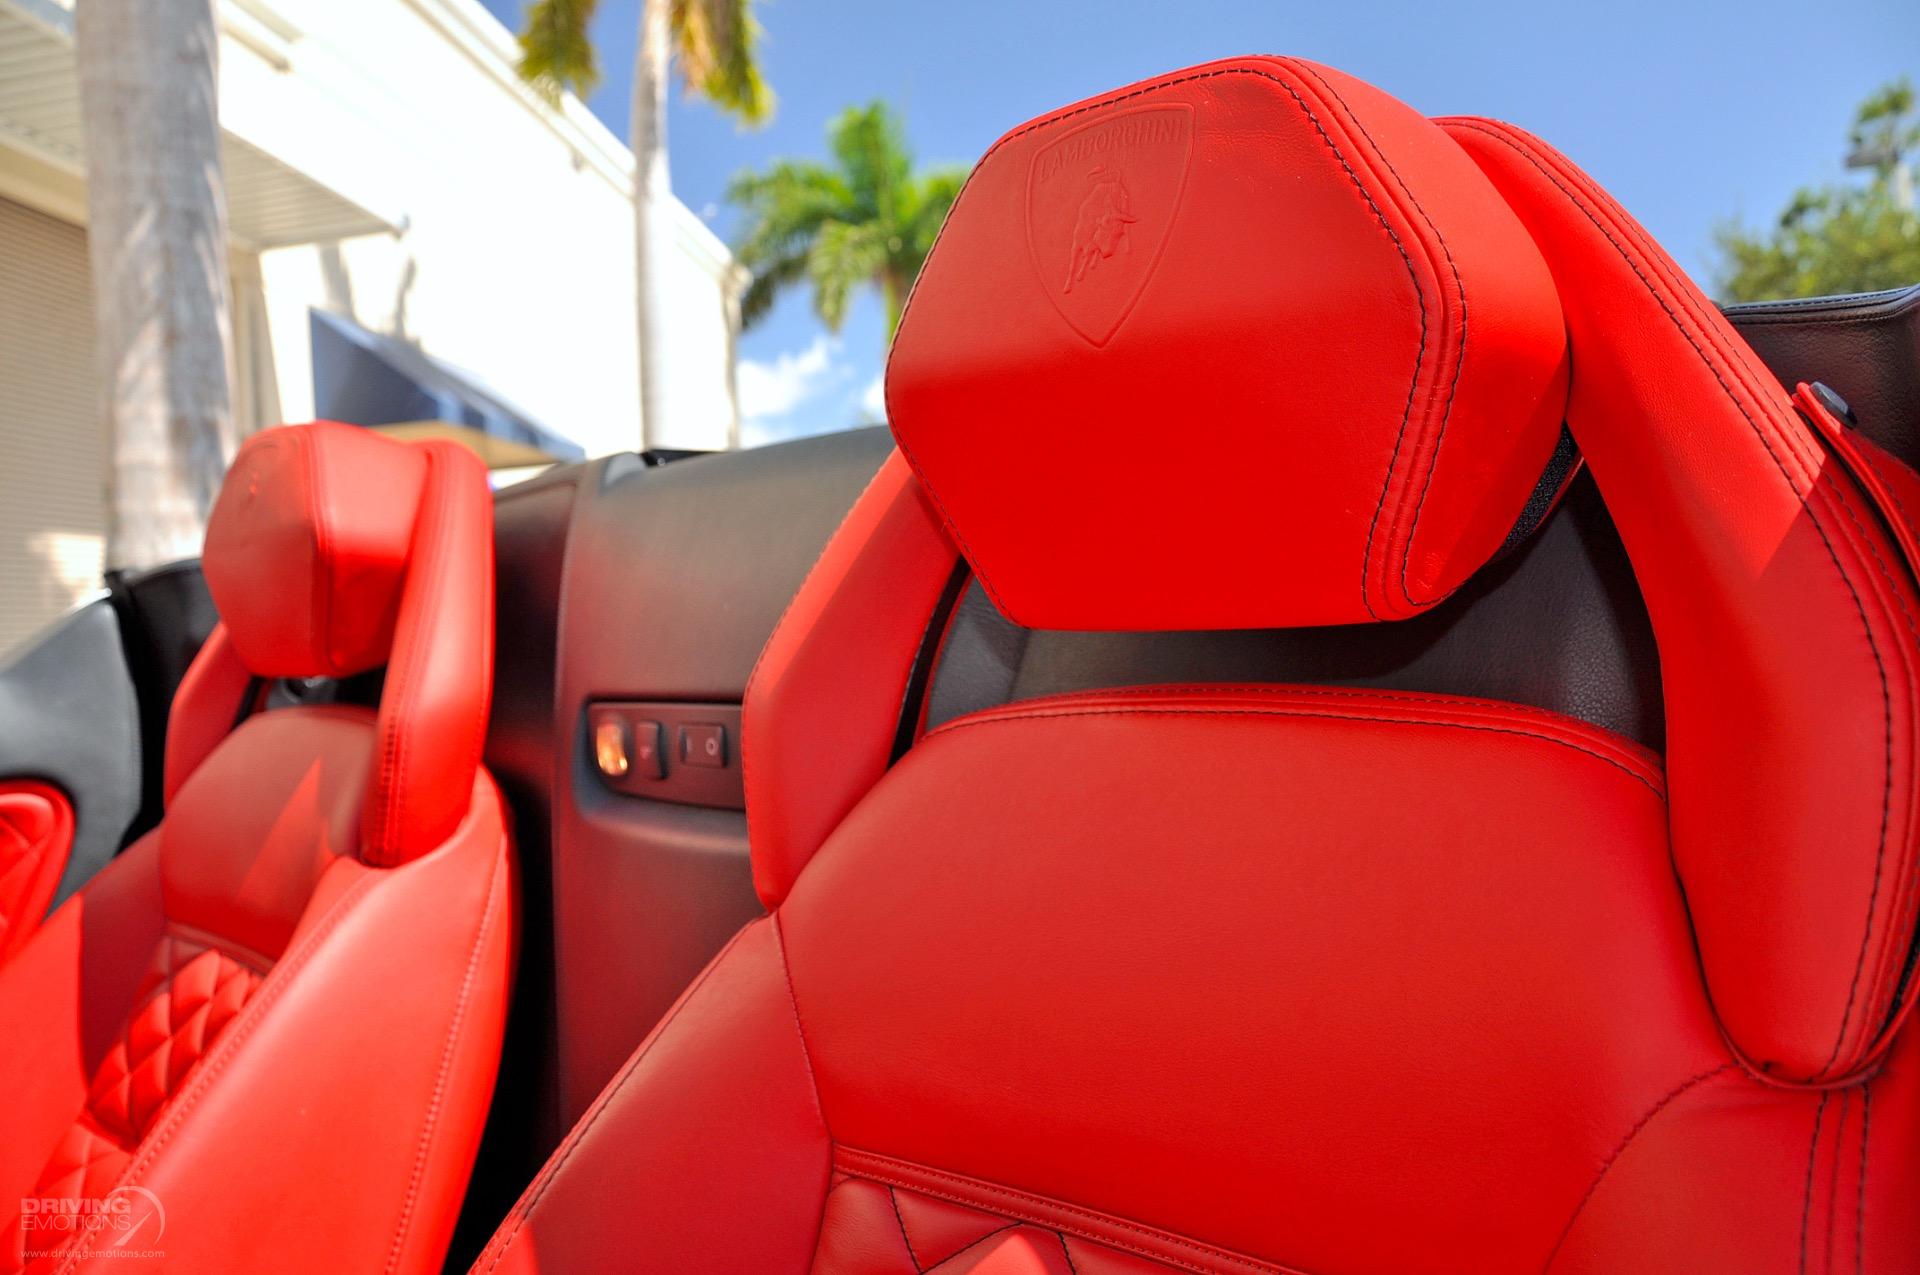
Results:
652 191
157 226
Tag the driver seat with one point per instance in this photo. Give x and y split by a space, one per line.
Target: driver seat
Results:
1277 979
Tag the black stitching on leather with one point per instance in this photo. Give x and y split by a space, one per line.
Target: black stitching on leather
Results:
1833 1177
1067 1252
1620 1149
1806 1203
905 1238
1833 555
1860 1200
1460 291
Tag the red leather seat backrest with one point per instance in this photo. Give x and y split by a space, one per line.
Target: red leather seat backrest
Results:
1269 979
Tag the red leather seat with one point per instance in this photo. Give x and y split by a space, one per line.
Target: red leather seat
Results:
1296 978
264 1038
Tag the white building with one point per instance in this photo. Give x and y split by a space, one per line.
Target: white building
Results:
399 203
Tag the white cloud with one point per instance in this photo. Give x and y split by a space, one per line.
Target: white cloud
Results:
874 401
769 390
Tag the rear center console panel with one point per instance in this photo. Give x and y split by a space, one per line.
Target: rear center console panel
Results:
675 576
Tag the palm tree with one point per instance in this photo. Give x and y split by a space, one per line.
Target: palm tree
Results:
157 230
714 42
866 218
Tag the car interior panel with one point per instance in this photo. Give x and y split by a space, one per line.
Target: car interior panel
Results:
1352 722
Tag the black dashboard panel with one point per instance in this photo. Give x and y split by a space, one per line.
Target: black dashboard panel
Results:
675 577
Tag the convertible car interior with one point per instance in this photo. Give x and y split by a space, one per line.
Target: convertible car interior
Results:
1353 723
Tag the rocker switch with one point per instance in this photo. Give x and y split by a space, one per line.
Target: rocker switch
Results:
648 763
703 745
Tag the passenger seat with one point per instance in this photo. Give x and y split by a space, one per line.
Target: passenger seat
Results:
265 1036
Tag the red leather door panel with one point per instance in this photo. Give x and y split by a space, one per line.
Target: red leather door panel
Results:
36 833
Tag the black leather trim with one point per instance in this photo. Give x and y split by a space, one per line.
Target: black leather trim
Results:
1866 347
1557 624
69 715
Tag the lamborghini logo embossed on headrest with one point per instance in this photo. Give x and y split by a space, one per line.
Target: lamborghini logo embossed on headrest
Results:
1100 203
1100 229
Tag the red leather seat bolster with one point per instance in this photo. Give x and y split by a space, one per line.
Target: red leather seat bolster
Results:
1774 597
707 1146
205 708
824 701
433 711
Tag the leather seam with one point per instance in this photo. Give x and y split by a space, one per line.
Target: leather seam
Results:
1620 1149
905 1238
1102 103
1833 1176
432 1123
210 1067
1580 202
1806 1202
989 1196
323 549
799 1027
239 953
1545 716
536 1190
1460 292
1839 496
1860 1198
1173 710
399 739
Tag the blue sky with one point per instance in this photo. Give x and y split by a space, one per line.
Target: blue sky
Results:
1688 111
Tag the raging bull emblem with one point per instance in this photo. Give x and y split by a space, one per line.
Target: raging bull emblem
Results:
1102 203
1100 227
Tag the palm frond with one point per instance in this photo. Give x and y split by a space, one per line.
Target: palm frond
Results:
930 199
556 54
785 207
767 283
717 43
870 146
843 258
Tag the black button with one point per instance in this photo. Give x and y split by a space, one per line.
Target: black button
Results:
703 745
648 761
1833 402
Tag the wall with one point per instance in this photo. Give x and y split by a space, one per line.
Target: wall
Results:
515 261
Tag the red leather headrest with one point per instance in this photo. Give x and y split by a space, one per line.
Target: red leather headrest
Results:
333 550
307 548
1247 345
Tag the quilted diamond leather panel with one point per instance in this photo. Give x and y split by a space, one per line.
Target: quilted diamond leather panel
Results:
190 994
872 1228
